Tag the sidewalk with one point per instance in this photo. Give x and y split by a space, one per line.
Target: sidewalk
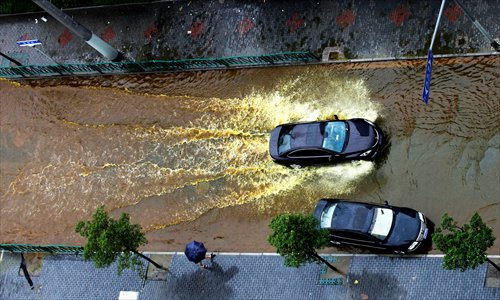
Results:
213 29
250 276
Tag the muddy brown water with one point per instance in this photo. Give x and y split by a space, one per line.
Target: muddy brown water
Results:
185 154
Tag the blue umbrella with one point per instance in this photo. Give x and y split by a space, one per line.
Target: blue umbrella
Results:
195 251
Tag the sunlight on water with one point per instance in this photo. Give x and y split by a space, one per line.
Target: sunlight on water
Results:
217 159
307 98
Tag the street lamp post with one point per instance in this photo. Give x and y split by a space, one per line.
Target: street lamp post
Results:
88 36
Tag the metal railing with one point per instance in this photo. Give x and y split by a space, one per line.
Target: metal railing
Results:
16 6
157 66
54 249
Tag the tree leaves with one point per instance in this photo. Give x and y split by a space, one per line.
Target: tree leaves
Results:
297 237
109 239
464 247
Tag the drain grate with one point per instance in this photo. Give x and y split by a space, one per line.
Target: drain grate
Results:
328 276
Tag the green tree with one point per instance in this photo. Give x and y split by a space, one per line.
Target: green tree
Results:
297 237
464 247
109 239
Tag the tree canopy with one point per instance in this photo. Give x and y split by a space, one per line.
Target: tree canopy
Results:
297 237
464 247
109 239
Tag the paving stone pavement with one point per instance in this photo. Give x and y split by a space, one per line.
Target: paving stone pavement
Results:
221 28
249 276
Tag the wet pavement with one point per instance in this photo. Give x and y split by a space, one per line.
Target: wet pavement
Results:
250 276
201 29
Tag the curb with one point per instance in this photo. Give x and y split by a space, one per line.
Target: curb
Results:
322 254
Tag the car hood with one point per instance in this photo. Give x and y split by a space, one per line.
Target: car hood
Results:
362 136
405 229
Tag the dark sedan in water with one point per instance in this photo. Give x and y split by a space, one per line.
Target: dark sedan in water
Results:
323 142
379 227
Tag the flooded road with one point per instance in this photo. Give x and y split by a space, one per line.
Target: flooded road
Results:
186 153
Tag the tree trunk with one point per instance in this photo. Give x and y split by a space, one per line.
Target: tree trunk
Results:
493 264
148 259
327 263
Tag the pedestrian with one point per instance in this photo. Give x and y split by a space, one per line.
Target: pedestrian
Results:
196 252
211 257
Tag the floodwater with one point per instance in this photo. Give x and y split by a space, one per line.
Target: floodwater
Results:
170 148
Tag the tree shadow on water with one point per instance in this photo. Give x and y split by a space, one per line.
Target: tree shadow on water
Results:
203 284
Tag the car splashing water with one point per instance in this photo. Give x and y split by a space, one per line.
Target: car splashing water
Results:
170 148
164 159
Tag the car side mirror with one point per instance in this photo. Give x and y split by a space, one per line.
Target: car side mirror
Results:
386 203
335 117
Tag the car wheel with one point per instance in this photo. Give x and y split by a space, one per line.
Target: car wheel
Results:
294 166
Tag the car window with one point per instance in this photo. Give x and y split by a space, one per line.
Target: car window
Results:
350 235
308 153
381 223
339 234
326 215
284 143
334 136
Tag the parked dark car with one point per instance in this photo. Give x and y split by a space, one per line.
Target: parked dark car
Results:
322 142
379 227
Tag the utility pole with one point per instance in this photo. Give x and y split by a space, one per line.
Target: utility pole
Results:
428 69
88 36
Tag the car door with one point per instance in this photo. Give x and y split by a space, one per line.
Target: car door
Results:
310 156
357 239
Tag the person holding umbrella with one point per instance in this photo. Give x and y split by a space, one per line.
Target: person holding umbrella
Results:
196 252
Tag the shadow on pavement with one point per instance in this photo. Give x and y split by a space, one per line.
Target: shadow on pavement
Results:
203 284
373 285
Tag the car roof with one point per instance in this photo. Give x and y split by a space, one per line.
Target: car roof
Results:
306 135
352 216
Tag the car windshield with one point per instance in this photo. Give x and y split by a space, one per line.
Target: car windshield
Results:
284 142
334 136
381 223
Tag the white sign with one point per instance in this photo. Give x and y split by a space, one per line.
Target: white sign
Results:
128 295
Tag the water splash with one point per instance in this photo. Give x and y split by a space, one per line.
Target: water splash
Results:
309 97
217 158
